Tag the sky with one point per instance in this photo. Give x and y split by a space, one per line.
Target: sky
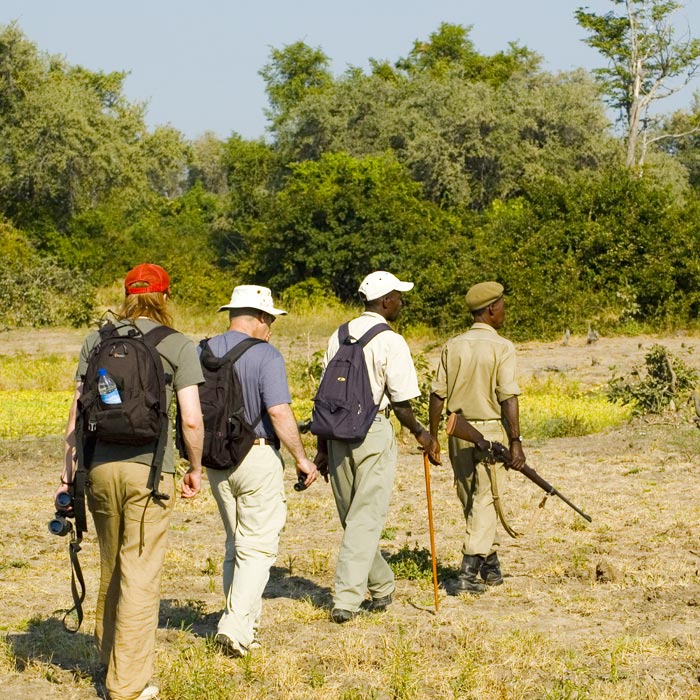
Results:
196 63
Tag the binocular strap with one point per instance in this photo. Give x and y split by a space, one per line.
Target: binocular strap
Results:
76 579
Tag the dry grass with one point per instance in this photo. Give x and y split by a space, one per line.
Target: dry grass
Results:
553 631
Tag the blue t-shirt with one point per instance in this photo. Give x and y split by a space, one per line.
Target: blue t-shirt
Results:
263 378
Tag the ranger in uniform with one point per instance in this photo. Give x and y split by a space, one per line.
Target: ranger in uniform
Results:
477 378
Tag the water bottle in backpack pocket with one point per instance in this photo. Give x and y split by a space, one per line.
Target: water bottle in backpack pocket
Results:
107 388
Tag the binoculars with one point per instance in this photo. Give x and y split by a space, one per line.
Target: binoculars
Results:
59 524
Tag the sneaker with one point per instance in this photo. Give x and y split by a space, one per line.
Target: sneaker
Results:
377 605
229 647
150 692
341 616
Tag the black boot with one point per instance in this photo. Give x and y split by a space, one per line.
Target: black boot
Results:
467 580
491 570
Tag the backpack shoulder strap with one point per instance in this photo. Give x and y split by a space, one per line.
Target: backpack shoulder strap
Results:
151 339
155 335
211 361
234 354
344 334
372 332
106 329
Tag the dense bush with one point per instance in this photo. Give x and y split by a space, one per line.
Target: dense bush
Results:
664 382
37 291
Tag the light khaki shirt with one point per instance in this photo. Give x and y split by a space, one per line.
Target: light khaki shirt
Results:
392 375
477 372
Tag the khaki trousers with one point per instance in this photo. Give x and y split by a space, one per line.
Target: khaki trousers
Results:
253 508
474 490
132 533
362 478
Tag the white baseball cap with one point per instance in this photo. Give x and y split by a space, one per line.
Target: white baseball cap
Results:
379 283
250 296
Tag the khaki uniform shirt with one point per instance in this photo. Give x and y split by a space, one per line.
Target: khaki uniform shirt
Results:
392 375
477 372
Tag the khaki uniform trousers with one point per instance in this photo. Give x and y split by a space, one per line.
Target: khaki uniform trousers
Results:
362 478
473 484
132 531
253 507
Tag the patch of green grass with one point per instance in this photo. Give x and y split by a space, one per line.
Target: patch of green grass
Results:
15 564
557 407
389 533
401 667
414 564
192 669
22 372
32 412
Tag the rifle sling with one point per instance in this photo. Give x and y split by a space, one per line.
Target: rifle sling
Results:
491 471
493 479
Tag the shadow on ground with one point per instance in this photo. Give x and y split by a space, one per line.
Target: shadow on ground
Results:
193 615
47 642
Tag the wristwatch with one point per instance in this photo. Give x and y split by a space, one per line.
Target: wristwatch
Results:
517 438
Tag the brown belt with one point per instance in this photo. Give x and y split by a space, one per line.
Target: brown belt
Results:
264 441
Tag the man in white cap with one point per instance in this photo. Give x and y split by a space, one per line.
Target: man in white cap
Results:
362 472
251 496
477 378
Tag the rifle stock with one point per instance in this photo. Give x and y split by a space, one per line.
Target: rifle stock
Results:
459 427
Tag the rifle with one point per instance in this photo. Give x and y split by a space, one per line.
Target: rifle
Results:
459 427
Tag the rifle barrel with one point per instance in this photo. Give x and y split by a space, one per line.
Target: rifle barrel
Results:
531 474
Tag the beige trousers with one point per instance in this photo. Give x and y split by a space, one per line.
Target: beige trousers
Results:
474 490
253 508
362 477
132 533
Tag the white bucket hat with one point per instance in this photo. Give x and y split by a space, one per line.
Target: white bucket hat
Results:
250 296
377 284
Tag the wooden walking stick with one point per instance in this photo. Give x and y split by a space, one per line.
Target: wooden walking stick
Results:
426 467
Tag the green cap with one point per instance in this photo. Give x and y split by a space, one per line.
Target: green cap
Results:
481 295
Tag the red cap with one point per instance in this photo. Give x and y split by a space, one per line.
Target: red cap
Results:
146 278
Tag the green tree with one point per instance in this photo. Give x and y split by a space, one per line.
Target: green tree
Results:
207 164
647 62
293 72
466 142
449 50
340 217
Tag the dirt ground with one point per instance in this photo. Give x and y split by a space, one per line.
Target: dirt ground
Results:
620 594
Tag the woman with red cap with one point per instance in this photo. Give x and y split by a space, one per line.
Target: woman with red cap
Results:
131 519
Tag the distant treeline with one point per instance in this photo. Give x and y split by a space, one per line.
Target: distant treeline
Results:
447 167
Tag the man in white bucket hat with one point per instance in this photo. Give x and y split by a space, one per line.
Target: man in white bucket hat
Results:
251 496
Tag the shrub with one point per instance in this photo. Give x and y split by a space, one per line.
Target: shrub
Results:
38 291
667 381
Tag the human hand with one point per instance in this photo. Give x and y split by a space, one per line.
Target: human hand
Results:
321 462
191 483
307 467
430 446
517 456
